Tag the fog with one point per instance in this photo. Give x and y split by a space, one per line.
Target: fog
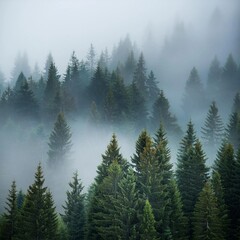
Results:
173 35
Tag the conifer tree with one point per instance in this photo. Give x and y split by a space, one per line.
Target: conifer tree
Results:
214 79
162 114
206 221
48 63
21 80
194 98
225 165
59 142
233 130
213 127
91 60
11 214
147 227
38 211
128 68
152 89
236 103
140 77
74 214
191 172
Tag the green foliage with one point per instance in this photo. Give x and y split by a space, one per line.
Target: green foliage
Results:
147 227
74 214
59 142
38 217
206 221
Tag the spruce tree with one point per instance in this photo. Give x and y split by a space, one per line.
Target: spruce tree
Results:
152 89
191 172
225 165
236 103
213 127
38 211
194 98
147 227
59 142
21 80
206 221
140 77
12 214
162 114
74 214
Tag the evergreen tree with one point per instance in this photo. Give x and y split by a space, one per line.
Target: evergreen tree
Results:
11 215
74 215
128 68
91 60
49 62
147 228
213 130
152 89
137 108
111 154
140 77
194 98
225 165
162 114
25 103
236 103
21 80
214 79
191 172
20 199
206 221
59 142
233 130
38 211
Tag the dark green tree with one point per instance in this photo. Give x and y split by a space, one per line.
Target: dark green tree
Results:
213 131
152 89
21 80
128 68
162 114
191 172
140 77
59 142
147 227
11 215
48 63
225 165
74 214
38 211
236 103
206 221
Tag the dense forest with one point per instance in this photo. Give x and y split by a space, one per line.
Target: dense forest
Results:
141 141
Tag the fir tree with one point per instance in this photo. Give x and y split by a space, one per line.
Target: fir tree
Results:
21 80
213 129
225 165
140 77
147 228
48 63
38 211
162 114
74 214
59 142
91 60
191 172
236 103
11 215
194 98
152 89
206 221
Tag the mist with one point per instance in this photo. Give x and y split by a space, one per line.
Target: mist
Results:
174 37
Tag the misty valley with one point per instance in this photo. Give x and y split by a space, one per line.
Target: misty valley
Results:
141 141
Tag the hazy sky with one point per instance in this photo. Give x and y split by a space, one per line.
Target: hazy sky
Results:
61 26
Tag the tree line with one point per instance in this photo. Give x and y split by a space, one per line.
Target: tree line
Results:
145 198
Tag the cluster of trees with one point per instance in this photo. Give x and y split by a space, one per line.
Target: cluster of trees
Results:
144 198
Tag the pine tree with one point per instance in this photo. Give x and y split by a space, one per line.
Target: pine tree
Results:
194 98
74 214
152 89
206 221
21 80
129 67
236 103
91 60
38 211
233 130
225 165
111 154
191 172
147 228
140 77
59 142
25 103
11 215
213 129
49 62
161 114
214 79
